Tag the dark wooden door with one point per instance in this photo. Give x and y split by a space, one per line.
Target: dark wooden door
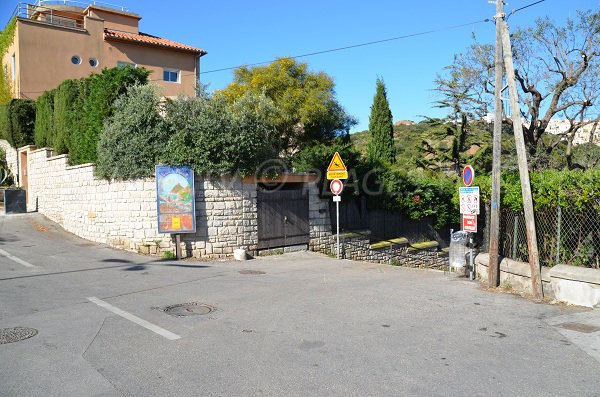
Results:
283 217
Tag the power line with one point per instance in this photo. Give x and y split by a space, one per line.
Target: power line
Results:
524 7
451 27
355 45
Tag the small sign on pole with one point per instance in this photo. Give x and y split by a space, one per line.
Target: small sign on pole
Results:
468 175
337 169
469 200
469 223
336 186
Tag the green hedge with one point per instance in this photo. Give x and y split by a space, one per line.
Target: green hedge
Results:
569 189
44 119
96 97
70 118
66 96
17 120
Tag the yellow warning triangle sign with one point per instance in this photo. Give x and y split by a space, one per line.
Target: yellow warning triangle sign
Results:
336 163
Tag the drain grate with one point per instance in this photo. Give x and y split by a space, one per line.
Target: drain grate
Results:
188 309
16 334
579 327
253 272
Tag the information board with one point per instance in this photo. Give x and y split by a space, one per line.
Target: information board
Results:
469 200
175 201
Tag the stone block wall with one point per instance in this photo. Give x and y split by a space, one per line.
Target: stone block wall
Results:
11 157
122 214
319 220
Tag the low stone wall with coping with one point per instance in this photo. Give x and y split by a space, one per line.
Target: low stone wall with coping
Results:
398 251
565 283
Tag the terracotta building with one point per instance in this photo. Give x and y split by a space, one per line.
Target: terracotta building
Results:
54 42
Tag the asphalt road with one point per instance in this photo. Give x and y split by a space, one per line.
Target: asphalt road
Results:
294 325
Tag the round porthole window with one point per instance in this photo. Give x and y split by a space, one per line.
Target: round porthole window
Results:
93 62
75 60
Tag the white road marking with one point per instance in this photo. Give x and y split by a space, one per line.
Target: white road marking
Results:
15 259
148 325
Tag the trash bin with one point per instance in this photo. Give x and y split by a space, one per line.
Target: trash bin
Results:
457 253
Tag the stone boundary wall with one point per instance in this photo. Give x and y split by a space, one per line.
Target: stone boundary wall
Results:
11 157
565 283
357 246
122 214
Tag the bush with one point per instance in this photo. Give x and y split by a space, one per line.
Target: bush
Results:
569 189
216 139
419 196
133 137
95 99
44 119
17 120
66 96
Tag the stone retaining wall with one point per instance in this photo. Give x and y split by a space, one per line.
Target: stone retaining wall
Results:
570 284
11 157
123 213
357 246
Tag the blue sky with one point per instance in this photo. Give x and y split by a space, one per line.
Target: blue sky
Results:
242 32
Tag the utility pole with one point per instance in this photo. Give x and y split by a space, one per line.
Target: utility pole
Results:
493 265
534 260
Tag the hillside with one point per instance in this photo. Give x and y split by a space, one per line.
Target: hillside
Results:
434 146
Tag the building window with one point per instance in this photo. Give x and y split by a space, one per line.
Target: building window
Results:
75 60
93 62
122 65
13 66
171 75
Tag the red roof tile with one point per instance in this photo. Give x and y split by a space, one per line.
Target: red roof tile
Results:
149 39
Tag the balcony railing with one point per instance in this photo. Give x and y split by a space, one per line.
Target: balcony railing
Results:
49 15
80 4
43 11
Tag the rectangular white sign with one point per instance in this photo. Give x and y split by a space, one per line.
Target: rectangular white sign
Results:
469 200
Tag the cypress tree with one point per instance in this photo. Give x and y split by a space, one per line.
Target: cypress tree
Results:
381 128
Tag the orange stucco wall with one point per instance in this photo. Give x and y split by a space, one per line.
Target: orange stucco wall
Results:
155 59
117 21
44 51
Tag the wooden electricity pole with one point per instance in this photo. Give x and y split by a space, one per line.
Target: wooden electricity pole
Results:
534 260
493 265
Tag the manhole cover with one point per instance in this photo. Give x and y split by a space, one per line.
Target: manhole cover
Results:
10 335
588 329
188 309
254 272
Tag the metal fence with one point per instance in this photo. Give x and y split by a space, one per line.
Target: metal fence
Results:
564 235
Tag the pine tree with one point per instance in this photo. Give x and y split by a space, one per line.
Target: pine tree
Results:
381 128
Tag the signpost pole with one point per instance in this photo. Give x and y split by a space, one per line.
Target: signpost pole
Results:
178 246
337 216
471 262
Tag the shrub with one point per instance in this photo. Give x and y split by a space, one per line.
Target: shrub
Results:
217 139
96 97
550 188
17 120
418 196
133 137
44 119
65 97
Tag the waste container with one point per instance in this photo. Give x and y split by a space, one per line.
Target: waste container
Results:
457 253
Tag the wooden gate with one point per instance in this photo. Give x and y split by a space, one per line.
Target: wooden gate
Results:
282 216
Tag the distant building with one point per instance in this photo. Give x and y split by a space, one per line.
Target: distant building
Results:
404 122
59 40
560 126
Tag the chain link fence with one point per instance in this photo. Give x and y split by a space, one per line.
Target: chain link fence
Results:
564 235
